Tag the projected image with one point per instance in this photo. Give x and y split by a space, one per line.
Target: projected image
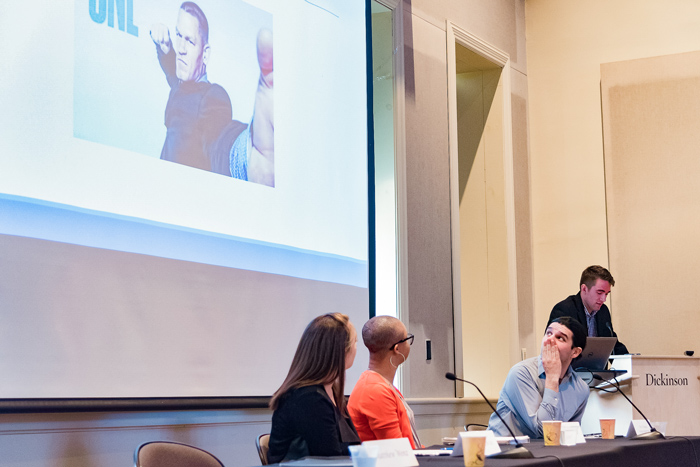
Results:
201 129
105 245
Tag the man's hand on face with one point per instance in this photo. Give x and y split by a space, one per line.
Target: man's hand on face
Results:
551 362
160 35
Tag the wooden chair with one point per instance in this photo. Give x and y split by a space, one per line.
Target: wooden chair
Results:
261 442
171 454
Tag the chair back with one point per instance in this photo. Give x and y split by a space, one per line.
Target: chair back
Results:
479 427
262 443
171 454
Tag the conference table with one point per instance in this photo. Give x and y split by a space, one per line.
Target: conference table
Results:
675 451
619 452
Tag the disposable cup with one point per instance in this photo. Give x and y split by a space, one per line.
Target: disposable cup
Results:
363 456
473 448
552 432
607 428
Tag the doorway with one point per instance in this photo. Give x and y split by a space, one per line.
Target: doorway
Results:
485 295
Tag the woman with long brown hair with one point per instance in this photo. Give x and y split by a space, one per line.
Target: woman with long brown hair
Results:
310 417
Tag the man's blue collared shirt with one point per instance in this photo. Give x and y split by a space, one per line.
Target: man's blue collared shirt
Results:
524 402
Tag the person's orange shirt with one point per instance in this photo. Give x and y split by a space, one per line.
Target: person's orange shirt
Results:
377 411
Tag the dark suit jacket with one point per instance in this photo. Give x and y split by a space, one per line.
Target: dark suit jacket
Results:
573 306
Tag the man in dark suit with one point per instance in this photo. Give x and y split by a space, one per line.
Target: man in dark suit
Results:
588 306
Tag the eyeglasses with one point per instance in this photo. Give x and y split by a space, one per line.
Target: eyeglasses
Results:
408 338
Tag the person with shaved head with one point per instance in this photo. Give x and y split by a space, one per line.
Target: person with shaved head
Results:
378 410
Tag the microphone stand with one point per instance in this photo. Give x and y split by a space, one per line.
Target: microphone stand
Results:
519 451
652 434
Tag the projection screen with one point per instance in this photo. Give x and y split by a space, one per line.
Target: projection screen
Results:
182 189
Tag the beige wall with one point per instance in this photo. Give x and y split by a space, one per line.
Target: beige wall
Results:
109 439
566 44
428 210
651 140
501 25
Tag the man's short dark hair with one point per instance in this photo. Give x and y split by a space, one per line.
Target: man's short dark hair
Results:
591 274
194 10
577 329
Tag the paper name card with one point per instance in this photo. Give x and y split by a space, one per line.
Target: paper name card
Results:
638 427
571 434
490 448
394 452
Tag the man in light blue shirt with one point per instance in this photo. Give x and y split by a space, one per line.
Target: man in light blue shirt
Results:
544 387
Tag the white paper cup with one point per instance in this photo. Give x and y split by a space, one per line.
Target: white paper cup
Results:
363 456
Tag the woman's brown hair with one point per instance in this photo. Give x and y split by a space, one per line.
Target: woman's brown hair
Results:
320 358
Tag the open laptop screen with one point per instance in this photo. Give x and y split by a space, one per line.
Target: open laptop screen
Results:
596 354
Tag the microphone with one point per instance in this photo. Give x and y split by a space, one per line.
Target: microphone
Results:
651 435
609 326
519 452
612 334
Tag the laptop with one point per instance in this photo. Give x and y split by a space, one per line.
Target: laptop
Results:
596 354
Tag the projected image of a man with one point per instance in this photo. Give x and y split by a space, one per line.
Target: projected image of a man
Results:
191 45
198 115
